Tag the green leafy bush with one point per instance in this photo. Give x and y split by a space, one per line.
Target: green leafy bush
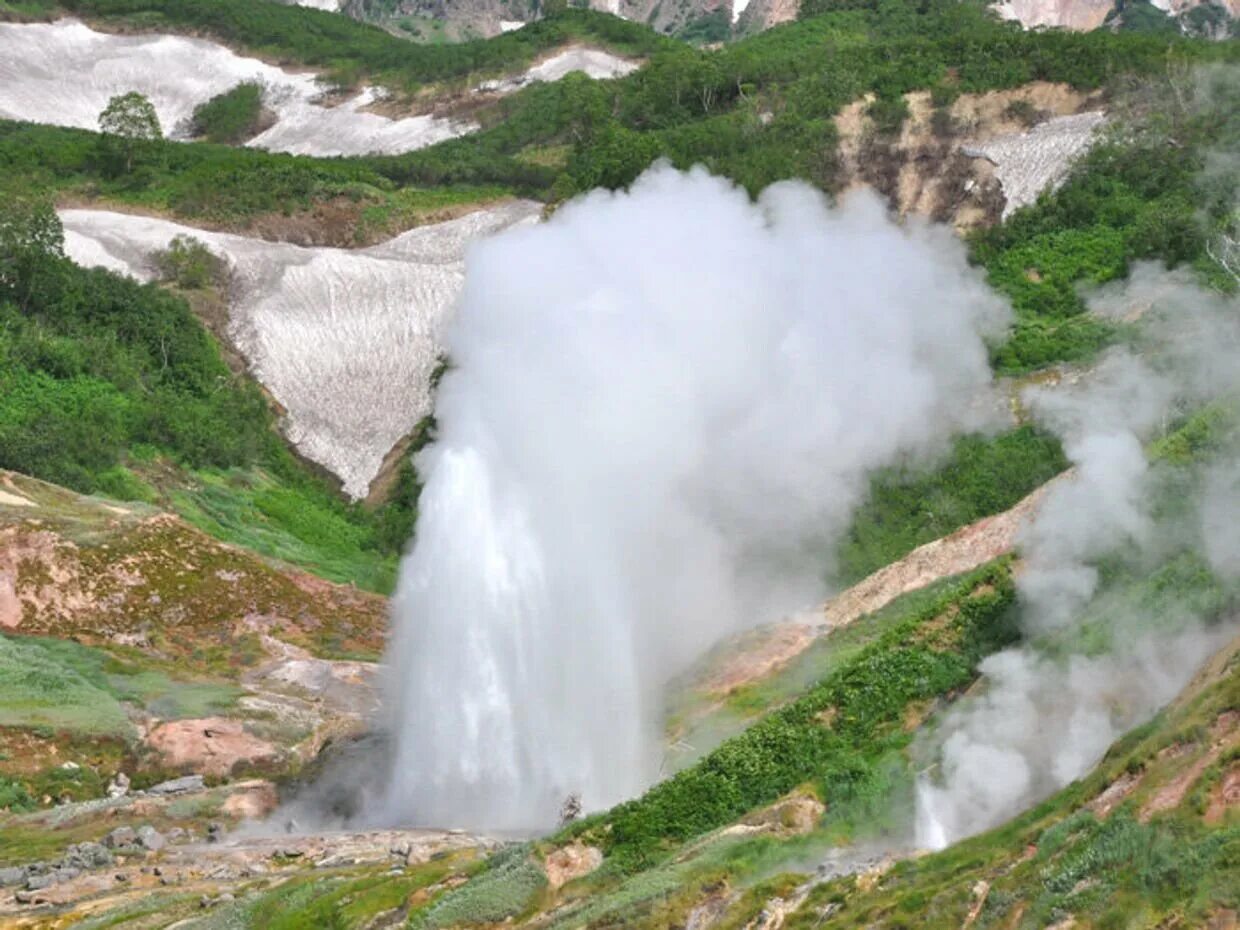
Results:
231 117
189 264
503 890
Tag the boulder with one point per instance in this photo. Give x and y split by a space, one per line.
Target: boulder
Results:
211 745
121 837
151 839
119 786
183 785
570 862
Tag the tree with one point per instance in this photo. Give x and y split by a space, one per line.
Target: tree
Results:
132 119
31 244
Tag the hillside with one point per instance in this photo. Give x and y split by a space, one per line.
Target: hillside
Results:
396 423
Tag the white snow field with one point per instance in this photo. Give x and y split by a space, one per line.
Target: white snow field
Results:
330 5
345 340
1027 163
594 62
65 73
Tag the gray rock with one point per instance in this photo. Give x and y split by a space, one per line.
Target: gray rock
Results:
121 836
151 839
182 785
87 856
39 882
65 874
119 786
12 876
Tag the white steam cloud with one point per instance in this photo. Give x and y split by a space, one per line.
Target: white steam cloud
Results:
663 410
1044 720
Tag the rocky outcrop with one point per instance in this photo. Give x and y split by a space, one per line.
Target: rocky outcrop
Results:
973 161
212 745
1084 15
571 862
763 14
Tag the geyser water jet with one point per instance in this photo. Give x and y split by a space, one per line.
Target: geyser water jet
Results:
662 410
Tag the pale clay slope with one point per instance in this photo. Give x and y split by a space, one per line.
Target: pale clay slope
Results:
967 548
346 341
65 73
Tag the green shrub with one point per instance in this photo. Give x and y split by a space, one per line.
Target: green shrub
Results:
189 264
1023 112
14 797
231 117
502 891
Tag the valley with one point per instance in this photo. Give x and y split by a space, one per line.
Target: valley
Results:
625 466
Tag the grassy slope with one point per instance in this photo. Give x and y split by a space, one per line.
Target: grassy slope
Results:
140 616
1122 870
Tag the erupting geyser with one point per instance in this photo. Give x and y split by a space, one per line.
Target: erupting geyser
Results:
663 408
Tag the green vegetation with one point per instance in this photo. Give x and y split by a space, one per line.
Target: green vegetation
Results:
351 51
128 123
337 899
505 888
66 686
218 185
95 364
835 736
189 264
702 723
231 117
1144 194
1133 867
300 524
103 379
908 506
14 798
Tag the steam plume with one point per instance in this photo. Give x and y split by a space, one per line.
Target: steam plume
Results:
663 409
1046 717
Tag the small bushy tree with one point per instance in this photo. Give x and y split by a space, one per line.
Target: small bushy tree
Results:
130 118
188 263
31 244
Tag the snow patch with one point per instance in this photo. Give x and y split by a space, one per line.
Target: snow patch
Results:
594 62
738 7
345 340
65 72
1027 163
